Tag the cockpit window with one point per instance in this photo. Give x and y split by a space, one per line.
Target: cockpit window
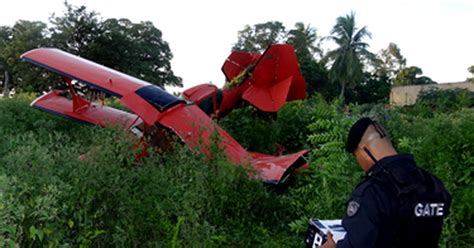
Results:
159 98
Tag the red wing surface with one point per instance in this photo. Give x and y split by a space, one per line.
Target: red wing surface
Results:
75 67
238 62
95 114
143 98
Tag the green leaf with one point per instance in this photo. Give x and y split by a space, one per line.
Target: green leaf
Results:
33 231
70 223
40 234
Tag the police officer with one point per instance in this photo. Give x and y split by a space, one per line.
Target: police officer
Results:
398 204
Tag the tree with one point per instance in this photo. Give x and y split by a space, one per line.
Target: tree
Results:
5 37
471 70
372 89
389 61
305 41
260 36
347 66
411 76
75 30
316 77
24 36
136 49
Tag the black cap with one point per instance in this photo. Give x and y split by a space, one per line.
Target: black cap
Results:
356 132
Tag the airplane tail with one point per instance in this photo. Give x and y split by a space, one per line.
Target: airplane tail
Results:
269 80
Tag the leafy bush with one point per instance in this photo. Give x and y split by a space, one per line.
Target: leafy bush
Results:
49 197
444 145
323 190
446 100
263 132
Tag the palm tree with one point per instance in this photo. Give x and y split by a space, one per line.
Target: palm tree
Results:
347 59
304 40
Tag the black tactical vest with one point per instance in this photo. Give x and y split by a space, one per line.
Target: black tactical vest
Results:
421 200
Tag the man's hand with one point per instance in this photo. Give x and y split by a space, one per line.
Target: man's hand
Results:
329 242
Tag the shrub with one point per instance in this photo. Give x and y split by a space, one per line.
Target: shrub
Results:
444 145
263 132
49 197
446 100
322 191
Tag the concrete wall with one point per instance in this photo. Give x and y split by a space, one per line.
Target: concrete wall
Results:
406 95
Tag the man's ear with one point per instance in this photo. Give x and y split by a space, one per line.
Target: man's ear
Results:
363 148
368 153
362 157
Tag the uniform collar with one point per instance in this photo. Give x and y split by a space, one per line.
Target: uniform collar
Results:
388 161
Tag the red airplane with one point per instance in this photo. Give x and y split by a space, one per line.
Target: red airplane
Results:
156 112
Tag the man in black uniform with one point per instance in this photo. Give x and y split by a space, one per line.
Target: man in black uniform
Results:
398 204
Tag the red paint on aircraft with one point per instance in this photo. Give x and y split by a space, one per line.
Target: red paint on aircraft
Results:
152 107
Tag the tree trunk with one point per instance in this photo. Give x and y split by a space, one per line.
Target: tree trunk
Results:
343 87
6 81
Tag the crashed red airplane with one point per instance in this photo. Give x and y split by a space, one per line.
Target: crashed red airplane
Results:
266 81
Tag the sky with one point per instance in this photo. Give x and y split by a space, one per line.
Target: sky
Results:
435 35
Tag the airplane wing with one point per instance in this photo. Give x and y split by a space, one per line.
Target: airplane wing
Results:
95 114
141 97
100 77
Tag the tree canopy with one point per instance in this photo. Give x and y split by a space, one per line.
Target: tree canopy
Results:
137 49
305 40
389 61
23 36
258 37
411 76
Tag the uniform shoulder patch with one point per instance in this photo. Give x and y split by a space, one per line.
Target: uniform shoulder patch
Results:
352 208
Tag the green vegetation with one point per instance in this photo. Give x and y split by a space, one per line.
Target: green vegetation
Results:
63 184
471 70
445 100
350 70
50 197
